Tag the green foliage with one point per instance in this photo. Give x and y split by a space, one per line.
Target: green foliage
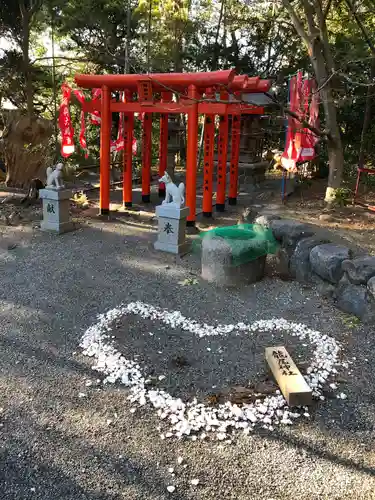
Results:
342 197
351 321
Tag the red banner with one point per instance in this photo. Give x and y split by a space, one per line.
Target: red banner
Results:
95 118
65 123
134 146
300 142
289 156
120 134
82 134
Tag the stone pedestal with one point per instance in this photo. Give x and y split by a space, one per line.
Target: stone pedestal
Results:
172 229
56 207
218 264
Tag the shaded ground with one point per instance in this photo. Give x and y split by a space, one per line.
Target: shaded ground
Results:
55 444
201 368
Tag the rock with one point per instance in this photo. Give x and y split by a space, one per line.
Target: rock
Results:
354 299
360 270
300 267
265 220
371 287
221 262
324 288
325 217
282 261
290 230
326 261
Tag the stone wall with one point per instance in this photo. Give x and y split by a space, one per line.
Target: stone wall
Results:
349 281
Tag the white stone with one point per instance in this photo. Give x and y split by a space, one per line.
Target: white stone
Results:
171 488
193 417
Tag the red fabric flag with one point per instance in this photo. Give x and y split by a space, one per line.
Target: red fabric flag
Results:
82 134
95 117
300 142
120 134
289 156
298 109
134 146
308 152
65 123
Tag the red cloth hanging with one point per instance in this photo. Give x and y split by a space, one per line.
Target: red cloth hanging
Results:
308 152
134 146
65 123
300 142
82 134
289 156
95 117
120 134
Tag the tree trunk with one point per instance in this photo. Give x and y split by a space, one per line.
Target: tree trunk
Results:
334 143
367 117
316 40
25 148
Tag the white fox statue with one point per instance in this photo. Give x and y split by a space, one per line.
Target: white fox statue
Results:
173 194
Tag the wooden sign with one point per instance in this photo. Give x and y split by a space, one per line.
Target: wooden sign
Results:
292 384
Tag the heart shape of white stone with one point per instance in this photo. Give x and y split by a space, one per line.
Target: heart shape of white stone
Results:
193 418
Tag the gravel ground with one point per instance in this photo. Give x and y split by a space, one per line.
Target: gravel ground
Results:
200 367
55 444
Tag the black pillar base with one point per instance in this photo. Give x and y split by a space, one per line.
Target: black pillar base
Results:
207 214
146 198
161 193
104 211
190 223
232 201
220 207
128 204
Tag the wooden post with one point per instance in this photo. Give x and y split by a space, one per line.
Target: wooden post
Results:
191 157
208 162
146 157
222 163
127 181
105 151
292 384
235 155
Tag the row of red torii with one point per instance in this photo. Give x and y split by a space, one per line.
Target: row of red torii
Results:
196 95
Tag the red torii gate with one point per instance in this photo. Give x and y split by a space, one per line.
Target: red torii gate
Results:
190 87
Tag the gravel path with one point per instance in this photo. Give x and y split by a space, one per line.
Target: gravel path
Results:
55 444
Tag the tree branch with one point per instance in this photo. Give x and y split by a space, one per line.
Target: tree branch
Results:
324 36
297 23
350 5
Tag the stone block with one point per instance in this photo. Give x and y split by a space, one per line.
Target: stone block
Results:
56 210
218 264
355 299
300 267
290 380
360 270
326 261
172 229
